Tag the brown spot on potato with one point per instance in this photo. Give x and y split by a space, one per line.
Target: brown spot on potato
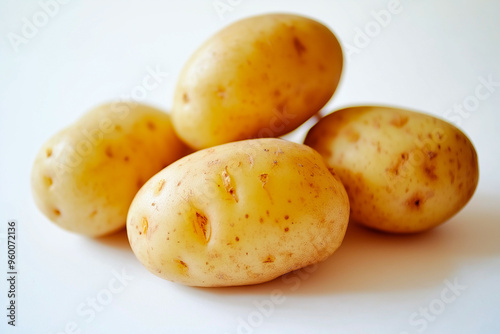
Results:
48 152
431 155
352 135
202 226
109 152
286 217
263 179
159 186
395 169
269 259
185 97
286 229
182 266
299 47
416 201
452 177
221 92
399 121
237 239
151 126
261 220
227 181
430 171
57 212
126 158
246 215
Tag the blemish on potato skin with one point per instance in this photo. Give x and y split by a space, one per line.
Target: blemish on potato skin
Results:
48 152
263 179
430 171
416 201
299 47
431 155
397 166
226 180
399 121
182 266
185 97
202 226
269 259
150 125
57 212
145 225
352 135
108 151
159 186
47 180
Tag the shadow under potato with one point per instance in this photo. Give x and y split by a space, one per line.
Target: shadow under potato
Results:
118 239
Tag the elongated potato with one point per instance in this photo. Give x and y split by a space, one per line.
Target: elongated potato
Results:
404 171
240 213
259 77
85 177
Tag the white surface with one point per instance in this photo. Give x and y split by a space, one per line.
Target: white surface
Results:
429 57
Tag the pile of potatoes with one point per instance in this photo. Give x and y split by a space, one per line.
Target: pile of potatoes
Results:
210 196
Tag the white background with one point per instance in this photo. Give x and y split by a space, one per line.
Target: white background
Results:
429 56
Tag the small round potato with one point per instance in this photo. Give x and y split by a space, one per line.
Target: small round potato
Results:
85 177
404 171
237 214
259 77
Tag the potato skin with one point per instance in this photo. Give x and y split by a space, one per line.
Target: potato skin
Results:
237 214
260 77
404 171
85 177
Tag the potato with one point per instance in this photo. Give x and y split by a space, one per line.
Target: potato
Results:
404 171
237 214
259 77
85 177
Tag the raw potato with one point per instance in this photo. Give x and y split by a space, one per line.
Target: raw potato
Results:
237 214
404 171
259 77
85 177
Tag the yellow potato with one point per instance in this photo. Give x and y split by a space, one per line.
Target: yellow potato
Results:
85 177
259 77
404 171
240 213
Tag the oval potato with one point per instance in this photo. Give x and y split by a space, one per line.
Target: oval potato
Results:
85 177
404 171
259 77
237 214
